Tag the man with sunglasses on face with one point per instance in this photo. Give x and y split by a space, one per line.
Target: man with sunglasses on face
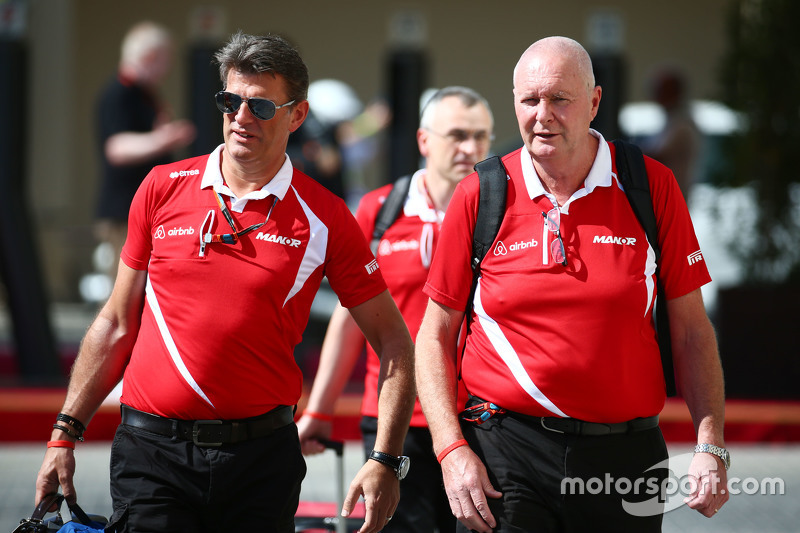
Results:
454 133
562 360
224 255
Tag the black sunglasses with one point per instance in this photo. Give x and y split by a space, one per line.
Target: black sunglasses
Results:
261 108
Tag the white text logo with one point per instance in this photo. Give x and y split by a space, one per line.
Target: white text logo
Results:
388 248
610 239
180 231
182 173
161 233
671 491
521 245
695 257
269 237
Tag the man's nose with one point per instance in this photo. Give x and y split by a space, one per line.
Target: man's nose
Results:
544 111
243 114
469 144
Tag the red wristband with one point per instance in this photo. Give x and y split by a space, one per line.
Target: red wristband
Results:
456 444
319 416
61 444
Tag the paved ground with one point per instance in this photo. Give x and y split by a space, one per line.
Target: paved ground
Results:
745 513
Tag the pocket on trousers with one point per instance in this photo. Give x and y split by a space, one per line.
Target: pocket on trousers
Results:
118 523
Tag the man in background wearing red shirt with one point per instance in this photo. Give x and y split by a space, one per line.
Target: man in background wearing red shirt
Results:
455 133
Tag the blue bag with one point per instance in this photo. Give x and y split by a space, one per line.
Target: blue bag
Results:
80 520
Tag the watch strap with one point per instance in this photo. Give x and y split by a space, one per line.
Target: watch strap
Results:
389 460
719 451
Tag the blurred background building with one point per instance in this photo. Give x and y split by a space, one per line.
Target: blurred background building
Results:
70 46
382 56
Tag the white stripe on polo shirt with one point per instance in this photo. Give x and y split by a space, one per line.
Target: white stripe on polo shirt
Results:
169 342
315 249
510 357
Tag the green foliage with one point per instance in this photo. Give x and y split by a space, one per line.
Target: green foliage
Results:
761 76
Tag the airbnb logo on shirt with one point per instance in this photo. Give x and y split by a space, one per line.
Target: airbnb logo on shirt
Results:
161 233
501 249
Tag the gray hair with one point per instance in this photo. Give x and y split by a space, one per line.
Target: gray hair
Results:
254 54
141 39
468 97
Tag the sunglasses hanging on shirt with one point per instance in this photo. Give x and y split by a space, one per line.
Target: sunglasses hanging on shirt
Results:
227 238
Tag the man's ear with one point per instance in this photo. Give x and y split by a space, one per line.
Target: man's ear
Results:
299 112
422 142
597 93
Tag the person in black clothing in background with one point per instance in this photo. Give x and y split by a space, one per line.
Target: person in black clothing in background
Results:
135 130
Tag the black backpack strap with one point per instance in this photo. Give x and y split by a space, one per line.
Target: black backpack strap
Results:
491 209
390 210
633 176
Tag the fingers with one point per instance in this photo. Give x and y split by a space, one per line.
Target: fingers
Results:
311 447
374 517
57 469
381 491
709 485
310 430
68 490
707 497
468 487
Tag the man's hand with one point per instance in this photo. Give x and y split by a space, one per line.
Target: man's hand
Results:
379 486
468 487
310 430
58 468
710 484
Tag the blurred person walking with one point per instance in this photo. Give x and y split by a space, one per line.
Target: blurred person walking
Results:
135 130
454 133
679 142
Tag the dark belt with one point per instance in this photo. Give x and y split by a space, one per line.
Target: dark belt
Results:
210 433
573 426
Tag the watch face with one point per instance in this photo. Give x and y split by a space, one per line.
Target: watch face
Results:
405 464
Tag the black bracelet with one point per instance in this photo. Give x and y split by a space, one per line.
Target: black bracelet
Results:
72 422
66 430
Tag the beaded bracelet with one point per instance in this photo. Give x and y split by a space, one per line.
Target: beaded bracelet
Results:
61 444
319 416
456 444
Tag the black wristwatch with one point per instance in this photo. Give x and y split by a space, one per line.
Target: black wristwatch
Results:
400 465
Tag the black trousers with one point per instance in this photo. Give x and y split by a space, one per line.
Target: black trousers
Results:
161 485
423 506
554 482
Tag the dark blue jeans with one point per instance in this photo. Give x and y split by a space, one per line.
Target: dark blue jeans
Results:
163 485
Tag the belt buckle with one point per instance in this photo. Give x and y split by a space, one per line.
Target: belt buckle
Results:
196 427
541 420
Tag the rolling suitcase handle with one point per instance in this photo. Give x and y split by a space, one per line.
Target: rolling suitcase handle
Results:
338 447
